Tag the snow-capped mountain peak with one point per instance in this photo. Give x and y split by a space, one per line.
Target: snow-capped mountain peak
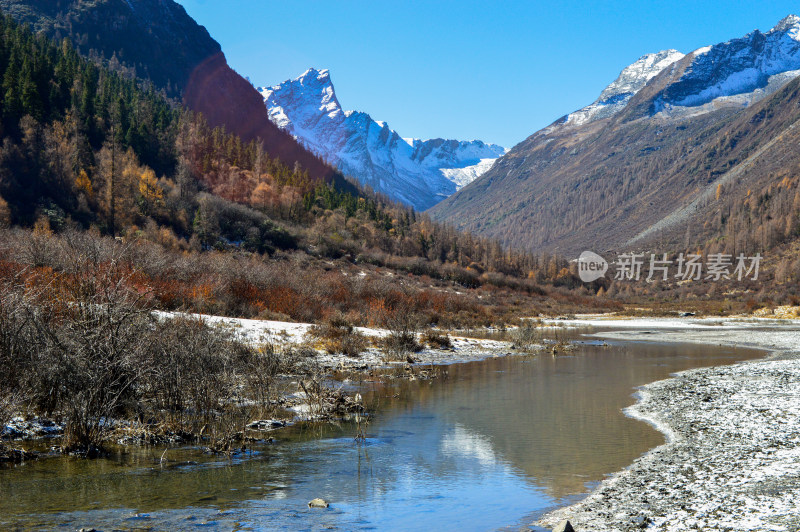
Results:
621 90
419 173
733 73
636 75
789 24
322 75
736 72
311 86
318 81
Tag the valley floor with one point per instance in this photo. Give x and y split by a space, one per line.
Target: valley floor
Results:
256 332
732 457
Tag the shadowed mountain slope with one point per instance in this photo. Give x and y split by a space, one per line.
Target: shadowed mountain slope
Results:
158 41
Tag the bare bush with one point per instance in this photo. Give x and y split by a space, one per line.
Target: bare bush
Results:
436 340
261 371
71 339
398 345
13 342
82 343
8 407
92 331
403 323
190 370
526 337
338 335
312 386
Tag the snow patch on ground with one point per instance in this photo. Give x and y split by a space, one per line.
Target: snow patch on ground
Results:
259 332
28 428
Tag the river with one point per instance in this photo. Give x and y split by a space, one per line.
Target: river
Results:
491 446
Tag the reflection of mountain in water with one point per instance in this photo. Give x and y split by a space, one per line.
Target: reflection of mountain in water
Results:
557 419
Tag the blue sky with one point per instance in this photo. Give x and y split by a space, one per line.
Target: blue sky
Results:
495 71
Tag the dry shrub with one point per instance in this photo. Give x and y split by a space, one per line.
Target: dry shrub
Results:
436 340
193 369
399 344
402 320
262 368
526 337
8 407
82 344
337 335
752 305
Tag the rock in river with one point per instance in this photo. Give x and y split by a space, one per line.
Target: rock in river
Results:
318 503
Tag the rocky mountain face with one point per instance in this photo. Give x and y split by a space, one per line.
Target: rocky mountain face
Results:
738 69
659 157
416 172
158 41
617 95
154 39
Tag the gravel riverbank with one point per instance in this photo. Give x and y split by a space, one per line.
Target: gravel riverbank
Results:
732 457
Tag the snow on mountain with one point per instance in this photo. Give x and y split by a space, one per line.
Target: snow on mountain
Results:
630 81
416 172
736 72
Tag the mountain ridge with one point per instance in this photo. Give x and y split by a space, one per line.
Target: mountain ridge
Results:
417 172
129 32
601 183
157 40
630 80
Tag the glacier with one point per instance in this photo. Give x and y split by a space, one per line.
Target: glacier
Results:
419 173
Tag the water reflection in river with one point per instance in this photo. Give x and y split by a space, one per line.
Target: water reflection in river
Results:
494 444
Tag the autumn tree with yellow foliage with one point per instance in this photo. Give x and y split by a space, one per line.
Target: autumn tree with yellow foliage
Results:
84 184
151 194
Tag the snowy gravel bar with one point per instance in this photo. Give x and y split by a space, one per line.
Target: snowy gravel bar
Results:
257 332
732 457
